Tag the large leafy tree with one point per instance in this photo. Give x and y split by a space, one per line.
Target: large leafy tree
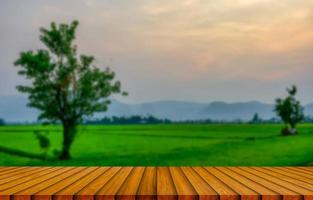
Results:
289 109
65 86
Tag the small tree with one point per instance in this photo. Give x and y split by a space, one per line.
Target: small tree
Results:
65 87
2 122
290 111
255 119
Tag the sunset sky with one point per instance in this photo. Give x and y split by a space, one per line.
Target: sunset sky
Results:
189 50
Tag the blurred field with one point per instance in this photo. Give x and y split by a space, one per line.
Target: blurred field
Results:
162 145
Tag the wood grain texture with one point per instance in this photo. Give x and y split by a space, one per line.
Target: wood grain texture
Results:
156 183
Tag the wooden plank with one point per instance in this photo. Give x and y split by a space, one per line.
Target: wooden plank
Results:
110 189
147 188
288 174
5 168
224 191
204 190
245 192
17 174
130 186
292 171
69 192
284 192
39 184
165 186
25 190
45 194
87 193
307 193
10 169
267 193
305 172
307 168
184 189
25 179
286 178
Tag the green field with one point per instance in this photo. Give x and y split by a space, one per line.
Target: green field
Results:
160 145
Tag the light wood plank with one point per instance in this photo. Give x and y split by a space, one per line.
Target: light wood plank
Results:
288 185
292 171
284 192
285 178
147 188
165 186
39 184
130 186
224 191
110 189
45 194
12 175
267 193
69 192
305 172
184 189
245 192
88 192
204 190
9 186
22 186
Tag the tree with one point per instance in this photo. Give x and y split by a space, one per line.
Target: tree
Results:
290 111
65 87
255 119
2 122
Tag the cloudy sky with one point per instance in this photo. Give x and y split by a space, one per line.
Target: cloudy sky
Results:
192 50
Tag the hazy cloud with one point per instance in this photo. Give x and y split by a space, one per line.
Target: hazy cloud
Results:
201 50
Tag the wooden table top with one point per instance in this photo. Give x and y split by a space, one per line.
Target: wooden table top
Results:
164 183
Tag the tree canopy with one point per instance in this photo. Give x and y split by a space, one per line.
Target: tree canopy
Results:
65 86
289 109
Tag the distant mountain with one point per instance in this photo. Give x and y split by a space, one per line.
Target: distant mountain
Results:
308 110
14 109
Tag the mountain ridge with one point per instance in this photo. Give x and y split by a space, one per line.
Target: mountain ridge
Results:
13 109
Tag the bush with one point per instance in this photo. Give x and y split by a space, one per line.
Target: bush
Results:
44 141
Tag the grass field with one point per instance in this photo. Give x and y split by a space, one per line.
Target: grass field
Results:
160 145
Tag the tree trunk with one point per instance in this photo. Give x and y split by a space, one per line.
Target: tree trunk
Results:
69 130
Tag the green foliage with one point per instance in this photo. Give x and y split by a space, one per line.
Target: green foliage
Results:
43 140
290 111
65 87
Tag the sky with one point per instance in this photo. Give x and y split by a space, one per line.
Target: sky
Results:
186 50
